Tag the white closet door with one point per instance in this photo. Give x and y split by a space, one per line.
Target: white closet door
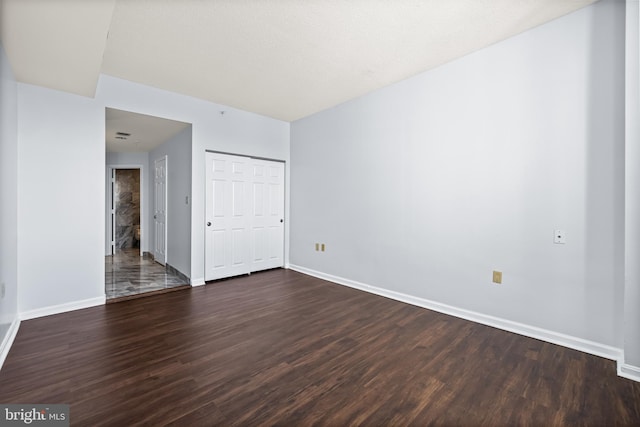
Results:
228 216
244 215
267 227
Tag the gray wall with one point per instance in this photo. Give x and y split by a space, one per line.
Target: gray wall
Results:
178 152
8 194
425 187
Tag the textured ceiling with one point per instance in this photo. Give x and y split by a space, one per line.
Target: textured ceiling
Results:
57 44
281 58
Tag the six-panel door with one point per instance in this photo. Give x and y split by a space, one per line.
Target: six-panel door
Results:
244 215
267 229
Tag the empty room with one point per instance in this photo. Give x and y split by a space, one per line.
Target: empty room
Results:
420 212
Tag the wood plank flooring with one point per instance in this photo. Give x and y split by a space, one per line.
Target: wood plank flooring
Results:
282 348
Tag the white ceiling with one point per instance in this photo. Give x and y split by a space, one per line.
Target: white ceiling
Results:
145 132
281 58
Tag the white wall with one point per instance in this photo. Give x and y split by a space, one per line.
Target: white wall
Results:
61 158
8 194
127 160
61 170
178 215
426 186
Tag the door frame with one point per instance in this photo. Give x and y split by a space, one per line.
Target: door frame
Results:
109 220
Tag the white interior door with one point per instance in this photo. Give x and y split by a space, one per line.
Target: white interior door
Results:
112 234
267 227
160 211
227 246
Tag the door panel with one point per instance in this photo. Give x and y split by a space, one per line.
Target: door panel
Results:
275 245
238 247
258 199
218 244
219 197
268 214
227 221
259 240
238 198
160 209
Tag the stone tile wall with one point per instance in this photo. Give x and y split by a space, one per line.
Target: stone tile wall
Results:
127 196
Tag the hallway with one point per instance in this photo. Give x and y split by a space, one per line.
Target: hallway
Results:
128 274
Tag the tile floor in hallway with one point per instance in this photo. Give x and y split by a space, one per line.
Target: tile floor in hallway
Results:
127 273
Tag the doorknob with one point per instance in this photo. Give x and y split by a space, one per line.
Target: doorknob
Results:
281 220
208 223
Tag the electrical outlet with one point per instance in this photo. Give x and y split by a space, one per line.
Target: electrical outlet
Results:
497 277
317 247
322 247
559 237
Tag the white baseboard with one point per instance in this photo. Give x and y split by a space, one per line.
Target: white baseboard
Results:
575 343
7 341
198 282
629 371
62 308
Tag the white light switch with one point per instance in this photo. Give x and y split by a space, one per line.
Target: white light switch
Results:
559 237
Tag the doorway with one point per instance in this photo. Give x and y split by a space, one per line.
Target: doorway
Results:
126 208
147 207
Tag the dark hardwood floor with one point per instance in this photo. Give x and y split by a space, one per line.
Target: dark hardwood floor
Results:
282 348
